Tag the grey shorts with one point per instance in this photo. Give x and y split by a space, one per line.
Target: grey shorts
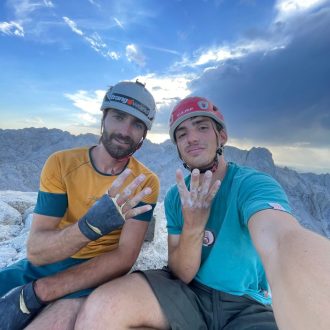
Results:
196 306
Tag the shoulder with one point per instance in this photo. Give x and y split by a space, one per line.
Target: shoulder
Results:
67 160
251 178
258 191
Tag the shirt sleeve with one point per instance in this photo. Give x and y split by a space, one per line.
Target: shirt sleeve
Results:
52 196
151 199
258 192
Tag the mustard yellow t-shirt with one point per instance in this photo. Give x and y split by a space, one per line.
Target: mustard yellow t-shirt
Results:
70 185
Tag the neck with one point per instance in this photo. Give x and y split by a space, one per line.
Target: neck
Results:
221 170
105 163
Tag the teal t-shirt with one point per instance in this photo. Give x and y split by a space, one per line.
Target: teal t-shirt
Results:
230 263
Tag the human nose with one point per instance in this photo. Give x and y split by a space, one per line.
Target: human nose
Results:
192 137
125 127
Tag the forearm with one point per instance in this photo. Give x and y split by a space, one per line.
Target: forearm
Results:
185 258
48 246
297 265
300 284
89 274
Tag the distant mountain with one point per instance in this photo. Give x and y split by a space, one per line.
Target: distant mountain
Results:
23 153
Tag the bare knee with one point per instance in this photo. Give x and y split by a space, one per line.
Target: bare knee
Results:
106 303
59 315
125 302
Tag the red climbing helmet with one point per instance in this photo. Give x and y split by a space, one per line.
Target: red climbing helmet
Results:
193 107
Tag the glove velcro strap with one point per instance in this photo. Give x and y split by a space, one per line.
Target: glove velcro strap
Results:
28 300
102 218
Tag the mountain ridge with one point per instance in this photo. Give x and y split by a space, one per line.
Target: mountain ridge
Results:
24 151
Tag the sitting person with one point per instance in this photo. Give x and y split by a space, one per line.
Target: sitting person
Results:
226 243
93 209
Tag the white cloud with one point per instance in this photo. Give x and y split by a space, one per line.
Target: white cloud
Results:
35 121
289 8
24 8
96 43
87 119
94 3
87 102
167 89
134 54
72 25
49 3
113 55
12 28
94 40
118 23
227 52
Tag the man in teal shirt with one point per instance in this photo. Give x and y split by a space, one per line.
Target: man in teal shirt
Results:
229 227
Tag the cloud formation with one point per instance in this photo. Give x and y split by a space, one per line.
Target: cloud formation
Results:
135 55
12 28
94 40
281 96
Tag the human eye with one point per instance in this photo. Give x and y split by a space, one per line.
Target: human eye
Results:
139 125
180 135
203 127
118 117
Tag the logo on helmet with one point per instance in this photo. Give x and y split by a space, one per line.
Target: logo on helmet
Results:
132 103
203 105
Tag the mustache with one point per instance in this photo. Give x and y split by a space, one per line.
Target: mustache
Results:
125 139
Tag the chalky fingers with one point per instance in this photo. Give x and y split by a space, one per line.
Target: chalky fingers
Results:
132 213
194 184
131 203
117 184
129 190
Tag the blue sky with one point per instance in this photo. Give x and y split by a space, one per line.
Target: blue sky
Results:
265 63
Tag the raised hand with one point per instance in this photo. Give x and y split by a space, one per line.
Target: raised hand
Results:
112 209
196 202
124 202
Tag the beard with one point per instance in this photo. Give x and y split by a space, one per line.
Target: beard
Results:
115 150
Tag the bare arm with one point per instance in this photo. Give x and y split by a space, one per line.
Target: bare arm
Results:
97 270
185 250
297 264
47 244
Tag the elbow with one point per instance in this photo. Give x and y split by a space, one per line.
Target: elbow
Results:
33 256
128 261
185 279
184 275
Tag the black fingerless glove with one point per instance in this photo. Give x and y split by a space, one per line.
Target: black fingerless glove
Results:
102 218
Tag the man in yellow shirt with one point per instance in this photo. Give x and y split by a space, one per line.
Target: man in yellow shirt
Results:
91 216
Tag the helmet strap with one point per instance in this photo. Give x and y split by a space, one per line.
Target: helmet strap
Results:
202 170
213 167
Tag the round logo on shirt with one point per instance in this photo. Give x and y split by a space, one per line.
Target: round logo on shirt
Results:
209 238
